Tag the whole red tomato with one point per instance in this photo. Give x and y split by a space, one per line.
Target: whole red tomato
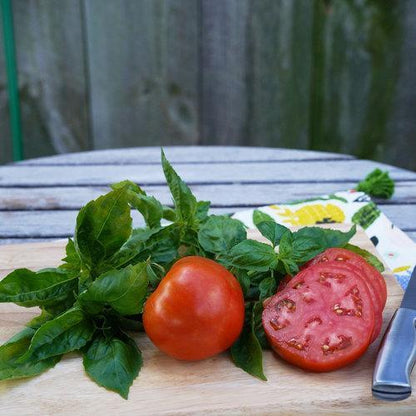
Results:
197 310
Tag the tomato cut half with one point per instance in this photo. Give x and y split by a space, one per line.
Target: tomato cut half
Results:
378 307
347 256
323 320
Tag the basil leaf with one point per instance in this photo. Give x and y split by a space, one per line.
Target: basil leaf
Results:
68 332
252 255
149 207
72 261
169 214
103 226
13 350
27 288
260 216
58 307
310 241
267 287
124 290
113 362
268 227
299 247
246 352
39 320
155 276
185 202
258 325
367 256
162 247
129 185
244 280
133 247
220 233
130 323
202 208
160 244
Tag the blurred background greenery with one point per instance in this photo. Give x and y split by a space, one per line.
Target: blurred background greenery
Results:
334 75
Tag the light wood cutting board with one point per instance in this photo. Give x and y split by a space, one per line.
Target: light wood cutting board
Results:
169 387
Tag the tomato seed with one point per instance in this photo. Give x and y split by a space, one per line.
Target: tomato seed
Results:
314 322
276 325
295 344
286 303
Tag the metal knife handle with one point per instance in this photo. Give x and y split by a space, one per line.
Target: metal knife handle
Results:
396 357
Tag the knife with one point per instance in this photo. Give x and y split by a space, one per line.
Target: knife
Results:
396 357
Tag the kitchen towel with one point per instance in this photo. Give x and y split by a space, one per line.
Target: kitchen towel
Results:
396 248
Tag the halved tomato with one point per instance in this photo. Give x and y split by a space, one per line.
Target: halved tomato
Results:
344 255
378 307
323 320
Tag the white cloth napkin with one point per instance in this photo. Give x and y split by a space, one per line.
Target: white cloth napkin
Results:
396 248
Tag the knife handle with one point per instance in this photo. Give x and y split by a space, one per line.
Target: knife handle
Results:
396 357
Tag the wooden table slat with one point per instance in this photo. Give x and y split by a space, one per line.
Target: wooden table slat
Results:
51 198
268 172
39 198
61 223
184 154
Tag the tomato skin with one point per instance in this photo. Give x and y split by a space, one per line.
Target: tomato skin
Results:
197 310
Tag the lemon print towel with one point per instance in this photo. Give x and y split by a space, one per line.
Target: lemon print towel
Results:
396 248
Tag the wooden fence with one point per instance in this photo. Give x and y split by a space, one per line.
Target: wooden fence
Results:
336 75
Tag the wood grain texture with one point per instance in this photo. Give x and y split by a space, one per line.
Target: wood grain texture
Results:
52 84
400 138
360 75
194 173
58 198
170 387
184 154
5 137
255 72
143 72
60 224
332 75
224 71
279 66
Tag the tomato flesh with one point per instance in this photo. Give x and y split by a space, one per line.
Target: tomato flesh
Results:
378 308
323 320
347 256
197 310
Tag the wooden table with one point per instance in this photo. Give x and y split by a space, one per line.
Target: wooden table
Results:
40 198
39 201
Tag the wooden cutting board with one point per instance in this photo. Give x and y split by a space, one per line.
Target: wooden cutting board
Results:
169 387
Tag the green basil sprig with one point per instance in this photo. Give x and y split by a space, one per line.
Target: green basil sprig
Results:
97 294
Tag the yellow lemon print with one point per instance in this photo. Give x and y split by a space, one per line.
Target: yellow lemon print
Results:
311 214
401 269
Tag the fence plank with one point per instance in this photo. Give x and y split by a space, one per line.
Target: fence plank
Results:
49 46
5 135
279 75
224 70
255 72
400 140
143 60
357 58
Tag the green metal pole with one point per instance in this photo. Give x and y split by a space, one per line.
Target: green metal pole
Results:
12 83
